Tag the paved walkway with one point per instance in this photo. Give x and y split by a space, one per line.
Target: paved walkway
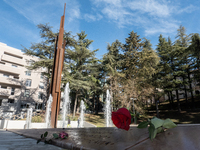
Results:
12 141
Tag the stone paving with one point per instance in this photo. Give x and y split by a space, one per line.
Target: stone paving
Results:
12 141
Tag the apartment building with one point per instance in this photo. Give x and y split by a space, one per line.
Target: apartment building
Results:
20 88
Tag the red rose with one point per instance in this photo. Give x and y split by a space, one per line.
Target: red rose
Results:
63 135
122 118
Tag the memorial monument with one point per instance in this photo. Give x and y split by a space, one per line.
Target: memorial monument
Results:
56 73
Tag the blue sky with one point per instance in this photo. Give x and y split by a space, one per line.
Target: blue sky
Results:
103 20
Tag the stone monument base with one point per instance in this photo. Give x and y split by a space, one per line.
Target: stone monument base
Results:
183 137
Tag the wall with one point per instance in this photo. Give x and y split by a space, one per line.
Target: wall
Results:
20 124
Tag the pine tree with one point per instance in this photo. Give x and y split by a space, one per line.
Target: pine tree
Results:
44 50
194 50
131 50
112 70
80 65
186 64
148 72
165 71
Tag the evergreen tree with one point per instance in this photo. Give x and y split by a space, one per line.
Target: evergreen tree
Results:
186 64
165 71
112 70
44 50
194 50
80 65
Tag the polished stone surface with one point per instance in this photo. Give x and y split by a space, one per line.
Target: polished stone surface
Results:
181 137
12 141
91 138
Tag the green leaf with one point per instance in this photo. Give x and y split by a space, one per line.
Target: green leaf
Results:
152 131
143 124
41 136
38 141
45 134
159 130
157 122
169 124
55 136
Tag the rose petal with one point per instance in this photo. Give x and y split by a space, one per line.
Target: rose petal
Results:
122 118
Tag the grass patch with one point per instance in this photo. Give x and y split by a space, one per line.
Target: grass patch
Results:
97 120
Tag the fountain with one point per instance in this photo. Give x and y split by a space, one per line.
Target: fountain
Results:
82 113
28 118
107 110
66 105
48 110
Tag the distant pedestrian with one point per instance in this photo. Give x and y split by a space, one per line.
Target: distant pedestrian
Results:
78 122
69 123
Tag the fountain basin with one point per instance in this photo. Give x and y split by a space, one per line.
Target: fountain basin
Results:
110 138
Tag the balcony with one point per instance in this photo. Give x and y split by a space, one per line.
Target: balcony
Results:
13 59
8 107
10 81
4 92
9 69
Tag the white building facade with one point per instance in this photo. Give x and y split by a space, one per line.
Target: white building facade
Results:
20 88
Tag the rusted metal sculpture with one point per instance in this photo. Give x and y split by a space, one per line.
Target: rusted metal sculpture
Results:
56 73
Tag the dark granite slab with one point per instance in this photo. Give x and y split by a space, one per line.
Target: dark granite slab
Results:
179 138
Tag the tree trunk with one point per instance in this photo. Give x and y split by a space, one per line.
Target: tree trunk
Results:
93 108
191 90
186 97
97 106
172 99
156 102
78 107
157 111
75 103
170 102
177 96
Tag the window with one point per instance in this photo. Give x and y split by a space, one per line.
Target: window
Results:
27 93
40 95
5 75
10 100
41 76
28 73
41 85
38 106
14 66
23 105
0 102
28 82
4 87
16 77
12 91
